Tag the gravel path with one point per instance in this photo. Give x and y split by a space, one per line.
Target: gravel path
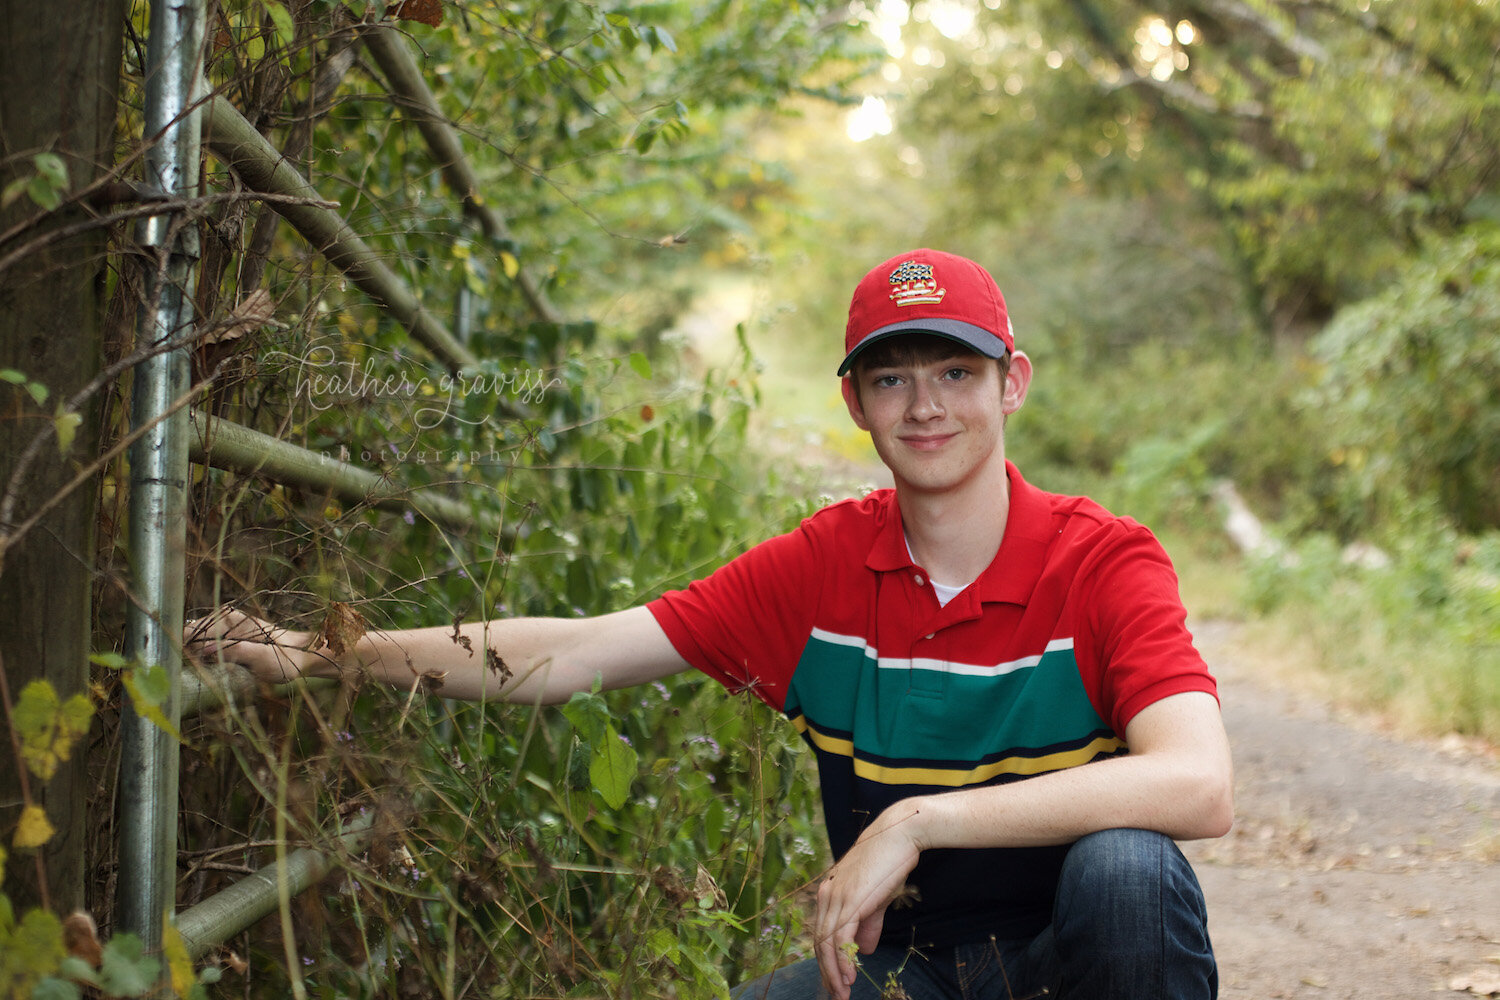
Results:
1361 866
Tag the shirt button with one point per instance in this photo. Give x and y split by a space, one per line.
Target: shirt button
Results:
930 635
919 579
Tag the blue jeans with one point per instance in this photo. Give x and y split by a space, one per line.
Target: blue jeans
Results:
1129 923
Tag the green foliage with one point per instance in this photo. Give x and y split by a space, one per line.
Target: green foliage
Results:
1411 384
46 187
612 760
48 727
547 840
31 949
34 957
1416 638
149 687
1323 143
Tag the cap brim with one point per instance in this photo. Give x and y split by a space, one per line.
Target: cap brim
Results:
975 338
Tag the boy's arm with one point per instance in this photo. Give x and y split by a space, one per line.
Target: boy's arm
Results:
1177 780
527 660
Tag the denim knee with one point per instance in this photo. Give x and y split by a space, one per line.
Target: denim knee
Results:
1130 920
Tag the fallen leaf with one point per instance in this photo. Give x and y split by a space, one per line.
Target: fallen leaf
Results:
1480 982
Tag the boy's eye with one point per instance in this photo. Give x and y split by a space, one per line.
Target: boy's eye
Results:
956 373
887 381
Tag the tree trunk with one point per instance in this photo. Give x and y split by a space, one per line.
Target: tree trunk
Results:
59 79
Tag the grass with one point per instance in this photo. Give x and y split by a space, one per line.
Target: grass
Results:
1380 642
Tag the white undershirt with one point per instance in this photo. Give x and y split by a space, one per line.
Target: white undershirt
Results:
944 592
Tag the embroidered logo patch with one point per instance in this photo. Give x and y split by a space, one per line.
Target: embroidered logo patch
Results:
913 284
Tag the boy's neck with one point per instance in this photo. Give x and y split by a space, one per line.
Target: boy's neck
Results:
955 536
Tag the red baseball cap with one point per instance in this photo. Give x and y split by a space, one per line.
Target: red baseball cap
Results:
929 291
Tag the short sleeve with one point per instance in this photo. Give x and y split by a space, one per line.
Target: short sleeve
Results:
1136 644
746 624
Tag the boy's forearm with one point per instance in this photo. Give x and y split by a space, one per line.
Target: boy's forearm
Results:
522 660
1180 786
501 660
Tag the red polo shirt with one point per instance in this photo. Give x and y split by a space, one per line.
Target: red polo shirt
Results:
1036 666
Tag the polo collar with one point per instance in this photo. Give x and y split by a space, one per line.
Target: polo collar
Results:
1013 574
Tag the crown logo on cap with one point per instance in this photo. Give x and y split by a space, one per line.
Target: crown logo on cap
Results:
913 284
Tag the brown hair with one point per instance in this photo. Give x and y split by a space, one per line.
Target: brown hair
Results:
915 348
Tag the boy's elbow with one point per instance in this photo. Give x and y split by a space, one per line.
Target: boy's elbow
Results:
1215 812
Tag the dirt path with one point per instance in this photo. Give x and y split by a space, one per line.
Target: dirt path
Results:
1361 866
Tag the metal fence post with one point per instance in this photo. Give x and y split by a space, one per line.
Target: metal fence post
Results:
159 469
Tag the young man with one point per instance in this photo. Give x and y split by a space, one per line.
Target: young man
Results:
1010 722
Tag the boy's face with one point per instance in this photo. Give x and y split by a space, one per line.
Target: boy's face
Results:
936 415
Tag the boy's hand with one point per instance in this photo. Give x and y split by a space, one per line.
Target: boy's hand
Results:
272 653
853 897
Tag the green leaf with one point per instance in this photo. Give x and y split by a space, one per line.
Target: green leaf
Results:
38 391
713 825
286 30
44 193
613 769
53 988
589 715
32 950
666 944
126 970
78 971
150 689
12 376
641 364
52 167
49 727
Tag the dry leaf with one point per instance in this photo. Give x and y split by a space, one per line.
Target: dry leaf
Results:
254 311
81 938
1482 982
429 12
343 627
459 639
497 665
707 891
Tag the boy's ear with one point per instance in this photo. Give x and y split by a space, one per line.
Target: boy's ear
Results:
851 400
1017 382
